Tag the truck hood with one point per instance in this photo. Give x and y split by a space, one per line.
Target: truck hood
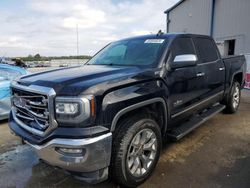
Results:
88 79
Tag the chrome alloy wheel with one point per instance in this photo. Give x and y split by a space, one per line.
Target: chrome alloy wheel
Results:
142 152
236 97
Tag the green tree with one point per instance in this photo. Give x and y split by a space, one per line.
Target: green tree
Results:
37 57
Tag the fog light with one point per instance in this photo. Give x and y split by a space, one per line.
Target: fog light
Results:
71 150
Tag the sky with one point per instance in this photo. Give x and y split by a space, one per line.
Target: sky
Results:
48 27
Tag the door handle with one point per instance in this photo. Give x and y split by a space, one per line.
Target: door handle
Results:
200 74
222 68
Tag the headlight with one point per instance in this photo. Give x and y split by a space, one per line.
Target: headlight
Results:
67 108
73 109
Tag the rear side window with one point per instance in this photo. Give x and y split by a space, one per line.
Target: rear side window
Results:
182 46
206 50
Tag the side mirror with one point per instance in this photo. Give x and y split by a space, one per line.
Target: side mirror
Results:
186 60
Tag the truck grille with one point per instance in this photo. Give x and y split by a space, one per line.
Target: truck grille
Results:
31 110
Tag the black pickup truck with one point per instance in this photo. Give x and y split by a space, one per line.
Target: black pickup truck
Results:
110 116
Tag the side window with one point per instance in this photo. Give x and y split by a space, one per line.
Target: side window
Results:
206 49
181 46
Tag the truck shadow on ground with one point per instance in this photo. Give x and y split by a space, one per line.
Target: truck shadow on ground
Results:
44 175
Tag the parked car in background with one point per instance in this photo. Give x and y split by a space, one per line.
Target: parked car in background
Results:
7 74
31 64
111 116
64 65
6 60
247 82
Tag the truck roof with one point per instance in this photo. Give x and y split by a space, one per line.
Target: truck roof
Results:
164 36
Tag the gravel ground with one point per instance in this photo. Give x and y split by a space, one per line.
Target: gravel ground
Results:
217 154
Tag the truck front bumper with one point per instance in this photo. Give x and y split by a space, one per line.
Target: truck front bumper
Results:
89 158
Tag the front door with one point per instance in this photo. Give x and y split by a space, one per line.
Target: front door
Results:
184 86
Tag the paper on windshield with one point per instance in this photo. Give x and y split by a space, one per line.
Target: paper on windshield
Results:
154 41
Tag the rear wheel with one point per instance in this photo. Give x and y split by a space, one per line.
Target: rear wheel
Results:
233 101
136 150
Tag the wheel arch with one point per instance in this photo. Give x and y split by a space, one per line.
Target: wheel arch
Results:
150 105
238 76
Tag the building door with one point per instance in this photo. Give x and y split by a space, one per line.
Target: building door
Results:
229 47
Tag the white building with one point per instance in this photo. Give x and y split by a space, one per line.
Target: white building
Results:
228 21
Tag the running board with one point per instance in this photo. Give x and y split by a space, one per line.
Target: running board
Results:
187 127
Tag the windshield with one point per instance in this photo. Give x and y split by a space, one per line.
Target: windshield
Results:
135 52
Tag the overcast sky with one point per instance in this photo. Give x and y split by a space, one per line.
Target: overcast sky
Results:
48 27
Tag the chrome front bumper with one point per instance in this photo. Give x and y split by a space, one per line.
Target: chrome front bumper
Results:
95 156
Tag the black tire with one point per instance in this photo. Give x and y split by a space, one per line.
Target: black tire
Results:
231 105
127 129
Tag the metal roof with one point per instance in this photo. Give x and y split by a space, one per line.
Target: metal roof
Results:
173 7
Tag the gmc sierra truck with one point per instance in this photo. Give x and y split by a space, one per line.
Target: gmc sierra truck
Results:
110 116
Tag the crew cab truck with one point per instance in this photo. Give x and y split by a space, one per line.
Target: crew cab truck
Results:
110 116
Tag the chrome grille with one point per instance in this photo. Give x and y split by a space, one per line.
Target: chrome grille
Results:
32 108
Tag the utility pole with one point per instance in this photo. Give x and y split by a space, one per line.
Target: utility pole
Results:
77 43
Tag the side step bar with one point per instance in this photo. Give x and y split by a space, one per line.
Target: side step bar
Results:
187 127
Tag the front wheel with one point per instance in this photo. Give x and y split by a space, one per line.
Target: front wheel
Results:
233 101
136 151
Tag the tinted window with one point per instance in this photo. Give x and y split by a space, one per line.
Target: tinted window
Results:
130 52
206 49
182 46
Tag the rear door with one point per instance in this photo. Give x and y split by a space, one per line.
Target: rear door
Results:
210 68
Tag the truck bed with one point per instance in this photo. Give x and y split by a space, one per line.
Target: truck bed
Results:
233 65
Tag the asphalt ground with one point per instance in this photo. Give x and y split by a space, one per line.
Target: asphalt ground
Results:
215 155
